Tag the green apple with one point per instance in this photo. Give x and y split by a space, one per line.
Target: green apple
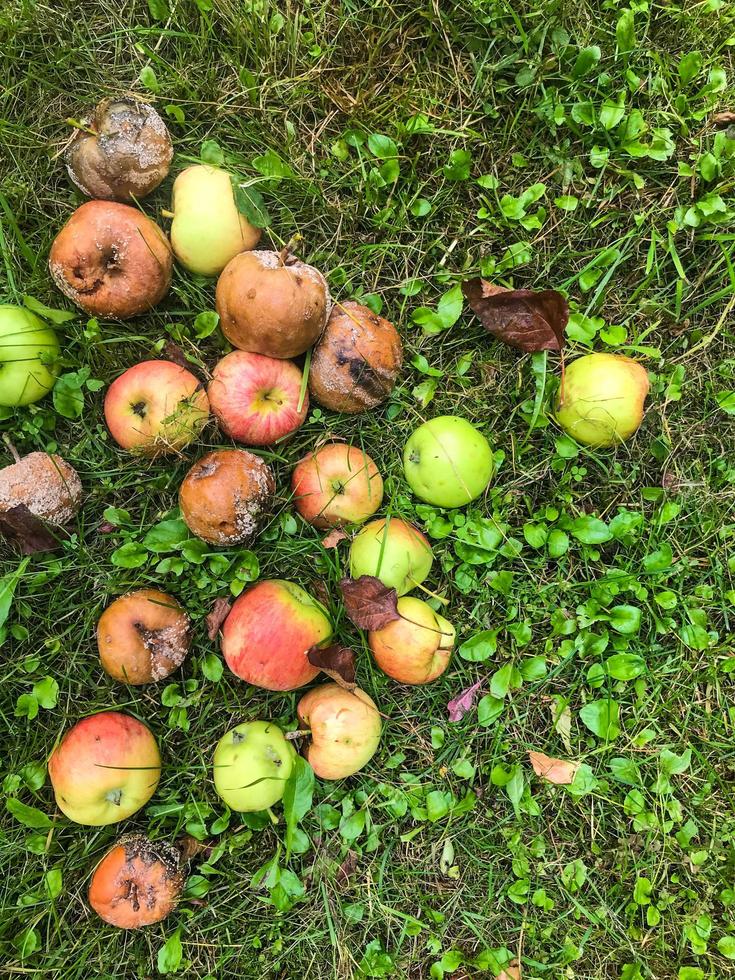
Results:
251 765
447 462
394 551
601 399
207 229
27 350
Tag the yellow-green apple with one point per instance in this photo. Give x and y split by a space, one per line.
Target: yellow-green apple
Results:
256 398
155 407
394 551
268 633
344 727
207 228
335 485
447 462
28 352
601 399
104 769
251 765
416 648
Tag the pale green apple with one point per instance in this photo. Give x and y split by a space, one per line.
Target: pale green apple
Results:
251 765
600 401
28 348
447 462
207 229
394 551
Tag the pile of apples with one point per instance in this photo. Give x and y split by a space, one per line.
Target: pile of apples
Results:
112 260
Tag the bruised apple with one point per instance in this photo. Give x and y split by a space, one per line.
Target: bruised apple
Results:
143 636
394 551
416 648
601 399
335 485
344 727
104 769
251 765
268 633
137 883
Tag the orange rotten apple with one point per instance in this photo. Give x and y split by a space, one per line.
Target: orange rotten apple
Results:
335 485
104 769
414 649
344 728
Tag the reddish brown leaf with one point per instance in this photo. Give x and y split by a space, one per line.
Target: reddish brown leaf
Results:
459 706
347 868
219 613
726 118
369 604
333 538
172 352
106 528
556 771
528 319
337 662
27 532
190 847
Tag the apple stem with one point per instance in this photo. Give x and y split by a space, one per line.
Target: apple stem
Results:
11 448
439 598
80 125
292 736
274 818
167 214
288 248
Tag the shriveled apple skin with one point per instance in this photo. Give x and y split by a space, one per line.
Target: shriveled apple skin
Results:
268 632
601 400
345 730
416 648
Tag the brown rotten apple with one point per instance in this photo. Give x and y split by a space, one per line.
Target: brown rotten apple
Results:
123 152
272 303
143 636
337 484
44 483
344 728
357 360
225 495
137 883
111 260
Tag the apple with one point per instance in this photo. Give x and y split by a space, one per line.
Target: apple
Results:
344 727
256 398
416 648
207 228
155 407
251 765
28 350
335 485
270 629
44 483
601 399
447 462
394 551
104 769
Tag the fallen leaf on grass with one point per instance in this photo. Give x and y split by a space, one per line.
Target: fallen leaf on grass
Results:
333 538
217 616
369 604
172 352
528 319
459 706
190 847
511 972
557 771
726 118
347 868
335 661
26 531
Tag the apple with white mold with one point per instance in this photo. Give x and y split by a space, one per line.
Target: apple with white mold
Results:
28 352
394 551
252 763
343 728
447 461
335 485
416 648
601 399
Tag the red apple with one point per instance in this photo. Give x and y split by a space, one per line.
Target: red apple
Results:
155 407
104 769
337 484
256 398
416 648
344 728
268 633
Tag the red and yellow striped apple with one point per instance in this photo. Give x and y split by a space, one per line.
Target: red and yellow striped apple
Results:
416 648
335 485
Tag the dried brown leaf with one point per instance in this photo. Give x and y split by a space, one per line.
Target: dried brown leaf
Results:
464 702
337 662
216 617
172 352
333 538
27 532
557 771
528 319
725 118
368 603
347 868
190 847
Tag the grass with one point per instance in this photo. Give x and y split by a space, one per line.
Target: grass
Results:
446 856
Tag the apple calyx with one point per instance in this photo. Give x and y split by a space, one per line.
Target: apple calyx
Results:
139 409
114 796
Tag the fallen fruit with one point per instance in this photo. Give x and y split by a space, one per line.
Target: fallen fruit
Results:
143 636
256 398
104 769
272 303
601 399
44 483
268 634
125 156
225 496
137 883
111 260
207 229
344 728
251 765
447 462
29 350
335 485
357 360
155 407
416 648
394 551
